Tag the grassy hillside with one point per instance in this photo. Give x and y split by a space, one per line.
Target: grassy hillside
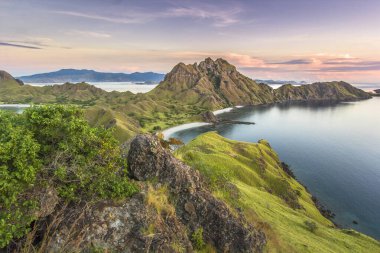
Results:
250 178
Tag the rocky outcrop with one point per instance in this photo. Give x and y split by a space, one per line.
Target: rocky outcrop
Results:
173 203
209 117
195 206
377 91
132 226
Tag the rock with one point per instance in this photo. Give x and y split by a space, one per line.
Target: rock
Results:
20 82
209 117
195 205
377 91
132 226
48 200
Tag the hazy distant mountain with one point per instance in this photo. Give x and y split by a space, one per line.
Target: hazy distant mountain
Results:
84 75
280 82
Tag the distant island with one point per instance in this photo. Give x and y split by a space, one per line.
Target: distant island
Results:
270 81
85 75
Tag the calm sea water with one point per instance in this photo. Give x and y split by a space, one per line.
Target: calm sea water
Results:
333 149
114 86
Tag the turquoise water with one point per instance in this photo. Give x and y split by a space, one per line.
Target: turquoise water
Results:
333 149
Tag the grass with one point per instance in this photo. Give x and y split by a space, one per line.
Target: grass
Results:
158 198
267 196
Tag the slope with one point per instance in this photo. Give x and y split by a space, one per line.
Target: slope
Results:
250 178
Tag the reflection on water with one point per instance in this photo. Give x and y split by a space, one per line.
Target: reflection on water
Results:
334 149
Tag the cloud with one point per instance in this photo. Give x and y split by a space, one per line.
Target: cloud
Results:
374 67
6 44
120 20
91 34
295 62
217 17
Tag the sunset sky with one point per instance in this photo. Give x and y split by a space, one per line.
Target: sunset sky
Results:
267 39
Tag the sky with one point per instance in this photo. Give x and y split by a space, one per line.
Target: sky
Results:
310 40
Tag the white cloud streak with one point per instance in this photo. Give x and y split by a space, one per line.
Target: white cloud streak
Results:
217 18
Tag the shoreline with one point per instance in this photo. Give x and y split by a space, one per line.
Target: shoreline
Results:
170 131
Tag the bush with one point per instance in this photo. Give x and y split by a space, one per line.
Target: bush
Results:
55 145
19 165
311 226
197 239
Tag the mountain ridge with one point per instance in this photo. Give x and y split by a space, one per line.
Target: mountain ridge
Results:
88 75
218 84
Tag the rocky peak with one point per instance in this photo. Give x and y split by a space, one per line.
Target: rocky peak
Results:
217 67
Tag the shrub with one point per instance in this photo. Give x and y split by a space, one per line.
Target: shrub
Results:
19 165
311 226
197 239
55 145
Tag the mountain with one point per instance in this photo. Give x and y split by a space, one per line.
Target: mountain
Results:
217 84
212 84
331 91
84 75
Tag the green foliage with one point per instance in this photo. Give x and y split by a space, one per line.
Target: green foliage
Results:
311 226
55 145
83 159
197 239
19 165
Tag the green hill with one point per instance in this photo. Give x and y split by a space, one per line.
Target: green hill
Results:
186 92
249 177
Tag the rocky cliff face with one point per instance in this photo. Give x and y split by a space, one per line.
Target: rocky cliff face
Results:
172 206
217 84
